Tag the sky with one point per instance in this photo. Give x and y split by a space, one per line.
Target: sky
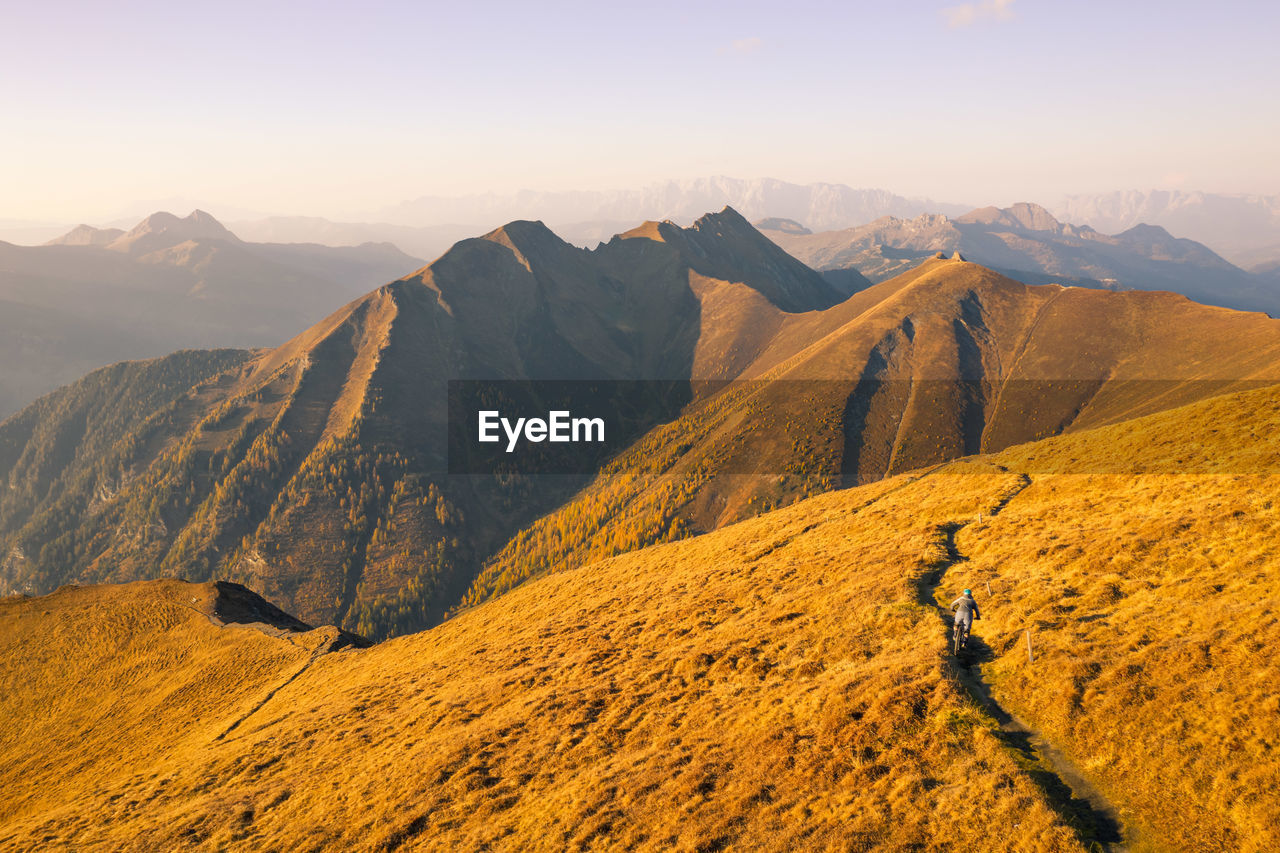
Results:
343 109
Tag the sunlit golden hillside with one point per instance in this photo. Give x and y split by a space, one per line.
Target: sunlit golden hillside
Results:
781 683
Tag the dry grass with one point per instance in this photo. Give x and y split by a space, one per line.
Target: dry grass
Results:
104 683
775 684
1151 598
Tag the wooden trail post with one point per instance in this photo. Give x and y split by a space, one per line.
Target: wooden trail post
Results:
1030 657
988 589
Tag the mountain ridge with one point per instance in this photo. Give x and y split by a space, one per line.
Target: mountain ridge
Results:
341 432
822 205
1027 242
1245 228
163 230
95 296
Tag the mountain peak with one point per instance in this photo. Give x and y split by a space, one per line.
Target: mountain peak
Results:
156 221
162 229
724 245
722 223
785 226
201 219
522 231
1023 215
528 239
1034 217
727 219
86 235
1147 232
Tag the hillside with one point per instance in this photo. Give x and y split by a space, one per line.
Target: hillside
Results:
589 709
947 360
779 683
790 389
1027 243
1145 584
96 296
341 432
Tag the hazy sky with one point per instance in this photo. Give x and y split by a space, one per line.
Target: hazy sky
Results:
339 109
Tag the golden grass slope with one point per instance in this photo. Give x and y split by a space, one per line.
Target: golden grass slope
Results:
101 683
1152 605
773 685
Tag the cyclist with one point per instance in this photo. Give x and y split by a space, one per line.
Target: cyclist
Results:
966 610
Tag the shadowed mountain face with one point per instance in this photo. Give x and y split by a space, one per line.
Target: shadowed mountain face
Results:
1027 243
315 473
96 296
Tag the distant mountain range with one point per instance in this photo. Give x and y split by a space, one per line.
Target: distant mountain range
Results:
1242 228
95 296
315 473
818 205
428 241
98 295
429 225
1026 242
1245 229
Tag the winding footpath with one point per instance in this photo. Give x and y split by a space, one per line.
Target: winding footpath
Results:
1096 818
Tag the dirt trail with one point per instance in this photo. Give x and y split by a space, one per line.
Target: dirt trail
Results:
1096 818
320 651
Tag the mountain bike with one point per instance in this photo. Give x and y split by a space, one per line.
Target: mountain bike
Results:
959 637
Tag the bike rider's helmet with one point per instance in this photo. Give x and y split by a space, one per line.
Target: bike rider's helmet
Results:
968 592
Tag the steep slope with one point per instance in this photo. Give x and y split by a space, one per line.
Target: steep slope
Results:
70 452
947 360
780 683
341 433
98 296
726 247
1027 243
318 473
